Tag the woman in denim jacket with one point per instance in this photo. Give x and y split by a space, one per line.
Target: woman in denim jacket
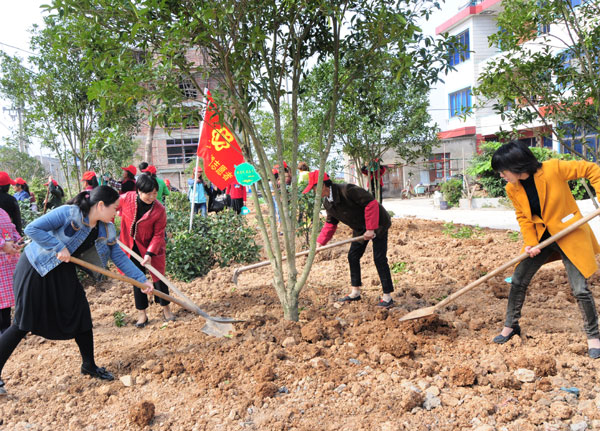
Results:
49 299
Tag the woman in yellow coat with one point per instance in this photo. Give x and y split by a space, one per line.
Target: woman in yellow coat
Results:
544 206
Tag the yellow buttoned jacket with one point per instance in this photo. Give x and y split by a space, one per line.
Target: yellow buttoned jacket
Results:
559 210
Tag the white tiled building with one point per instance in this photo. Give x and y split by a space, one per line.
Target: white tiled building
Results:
472 22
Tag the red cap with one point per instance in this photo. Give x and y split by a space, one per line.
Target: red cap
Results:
54 183
168 183
88 176
131 169
199 169
20 181
5 179
150 169
313 179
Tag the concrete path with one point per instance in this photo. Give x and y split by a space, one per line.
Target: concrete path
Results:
494 218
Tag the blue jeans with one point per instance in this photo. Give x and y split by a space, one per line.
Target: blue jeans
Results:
525 271
201 207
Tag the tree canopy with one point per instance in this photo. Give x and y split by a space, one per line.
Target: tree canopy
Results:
552 81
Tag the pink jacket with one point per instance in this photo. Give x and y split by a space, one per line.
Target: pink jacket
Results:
8 262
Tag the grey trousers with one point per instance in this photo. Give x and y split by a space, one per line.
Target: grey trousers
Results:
525 271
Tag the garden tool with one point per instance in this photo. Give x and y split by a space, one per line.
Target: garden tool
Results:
237 272
211 328
428 311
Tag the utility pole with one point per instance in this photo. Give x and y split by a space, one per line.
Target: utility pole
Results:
17 113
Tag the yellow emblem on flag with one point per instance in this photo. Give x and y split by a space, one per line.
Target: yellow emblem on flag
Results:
221 138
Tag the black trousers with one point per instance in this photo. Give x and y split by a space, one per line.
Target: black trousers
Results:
11 338
140 298
357 249
4 319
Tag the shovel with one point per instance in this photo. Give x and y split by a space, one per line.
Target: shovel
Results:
237 272
210 328
428 311
156 293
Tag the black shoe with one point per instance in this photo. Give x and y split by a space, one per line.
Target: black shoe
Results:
385 304
501 339
349 298
98 372
594 353
141 325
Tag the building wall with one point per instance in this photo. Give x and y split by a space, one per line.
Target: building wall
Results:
174 172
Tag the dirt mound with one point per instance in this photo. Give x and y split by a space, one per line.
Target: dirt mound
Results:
142 414
341 367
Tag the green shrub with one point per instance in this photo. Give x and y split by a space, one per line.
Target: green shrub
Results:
452 190
27 214
219 239
189 255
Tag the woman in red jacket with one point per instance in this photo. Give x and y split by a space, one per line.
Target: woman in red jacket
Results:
238 196
143 222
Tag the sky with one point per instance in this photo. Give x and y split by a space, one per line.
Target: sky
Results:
16 20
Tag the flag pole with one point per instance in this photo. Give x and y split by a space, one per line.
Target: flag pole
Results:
193 196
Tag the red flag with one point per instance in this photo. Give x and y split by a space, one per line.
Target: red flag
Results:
218 148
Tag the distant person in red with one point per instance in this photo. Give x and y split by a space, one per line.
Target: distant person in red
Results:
128 180
238 196
373 171
90 180
355 207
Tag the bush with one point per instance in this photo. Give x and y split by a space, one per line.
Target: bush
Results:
220 239
27 214
452 190
189 255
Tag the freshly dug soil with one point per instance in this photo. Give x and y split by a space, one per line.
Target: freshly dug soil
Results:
341 367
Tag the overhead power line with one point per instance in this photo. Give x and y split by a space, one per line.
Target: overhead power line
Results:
16 47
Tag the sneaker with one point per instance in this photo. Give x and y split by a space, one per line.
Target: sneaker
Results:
349 298
385 304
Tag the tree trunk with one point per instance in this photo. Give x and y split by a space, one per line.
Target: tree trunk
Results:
290 305
148 143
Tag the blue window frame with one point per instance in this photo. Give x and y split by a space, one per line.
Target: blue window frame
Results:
543 29
459 102
461 50
575 138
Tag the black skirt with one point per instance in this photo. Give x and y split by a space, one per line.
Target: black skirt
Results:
54 306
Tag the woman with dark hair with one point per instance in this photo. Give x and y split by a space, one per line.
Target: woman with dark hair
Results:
49 299
8 203
21 190
128 180
143 222
90 180
544 206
